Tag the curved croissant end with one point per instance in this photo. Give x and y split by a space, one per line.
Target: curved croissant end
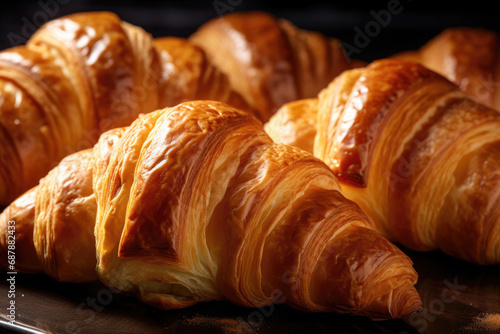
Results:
198 204
54 221
294 124
16 226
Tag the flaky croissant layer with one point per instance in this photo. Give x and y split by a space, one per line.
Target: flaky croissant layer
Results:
196 203
418 155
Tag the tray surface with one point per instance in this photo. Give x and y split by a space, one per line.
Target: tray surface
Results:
457 297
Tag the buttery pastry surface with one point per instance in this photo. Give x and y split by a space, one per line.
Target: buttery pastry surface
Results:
76 77
196 203
269 61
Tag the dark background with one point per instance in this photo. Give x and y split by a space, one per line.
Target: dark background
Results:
417 23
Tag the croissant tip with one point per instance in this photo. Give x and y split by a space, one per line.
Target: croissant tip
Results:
412 305
400 303
415 309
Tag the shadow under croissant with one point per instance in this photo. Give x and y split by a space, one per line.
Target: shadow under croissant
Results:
56 307
454 295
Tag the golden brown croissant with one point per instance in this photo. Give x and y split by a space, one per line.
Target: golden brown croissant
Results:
415 152
76 77
466 56
269 61
82 74
196 203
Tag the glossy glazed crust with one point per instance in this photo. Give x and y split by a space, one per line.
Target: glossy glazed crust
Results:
78 76
270 61
188 75
417 154
196 203
469 57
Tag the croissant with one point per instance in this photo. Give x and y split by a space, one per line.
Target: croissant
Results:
85 73
417 154
270 61
466 56
75 77
196 203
